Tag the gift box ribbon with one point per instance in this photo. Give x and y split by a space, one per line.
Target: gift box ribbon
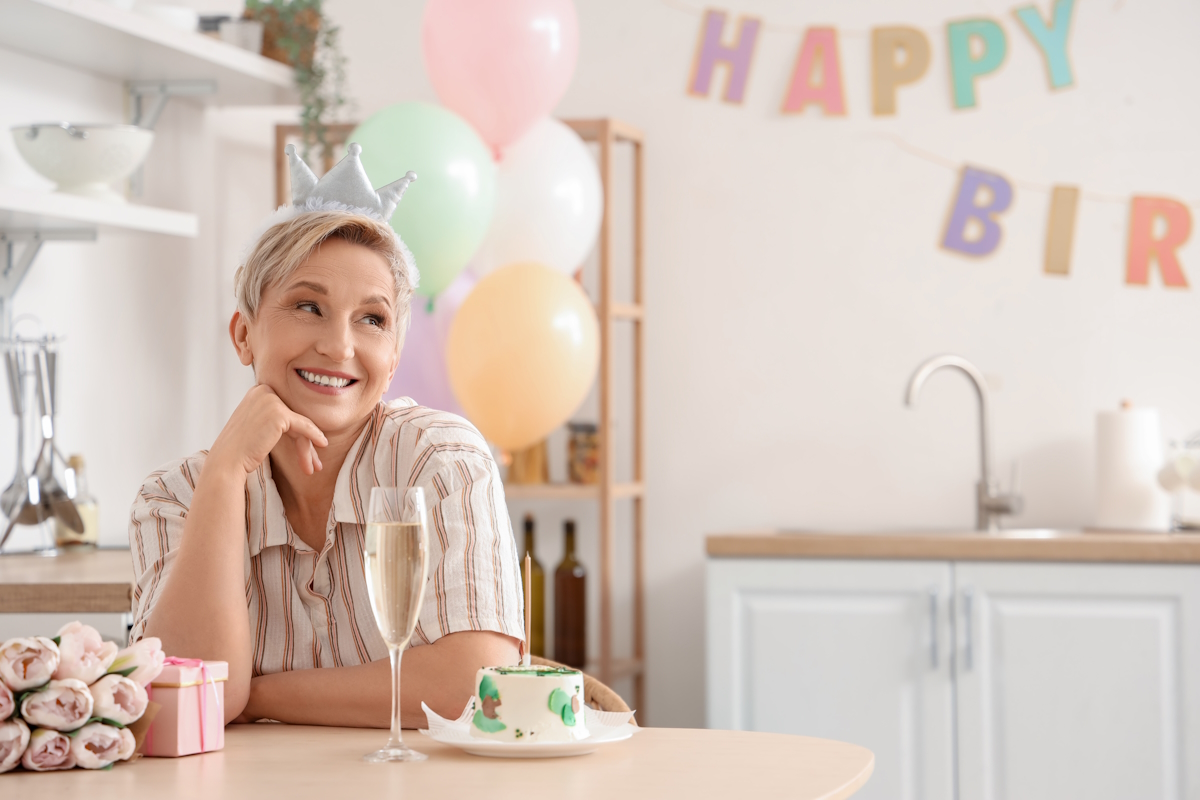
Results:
205 677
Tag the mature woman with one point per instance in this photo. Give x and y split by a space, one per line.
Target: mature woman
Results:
252 552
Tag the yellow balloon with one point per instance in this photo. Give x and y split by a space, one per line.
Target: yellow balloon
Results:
522 353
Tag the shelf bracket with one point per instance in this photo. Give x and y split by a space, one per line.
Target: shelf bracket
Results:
147 99
20 247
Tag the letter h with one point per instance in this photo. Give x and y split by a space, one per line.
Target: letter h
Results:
711 51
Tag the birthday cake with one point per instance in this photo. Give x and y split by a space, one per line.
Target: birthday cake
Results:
529 704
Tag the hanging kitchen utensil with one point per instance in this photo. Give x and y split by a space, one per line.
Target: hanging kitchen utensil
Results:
55 499
13 497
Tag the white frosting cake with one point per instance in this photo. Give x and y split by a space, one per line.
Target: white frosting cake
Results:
529 704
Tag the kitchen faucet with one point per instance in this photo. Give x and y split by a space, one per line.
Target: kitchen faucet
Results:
990 503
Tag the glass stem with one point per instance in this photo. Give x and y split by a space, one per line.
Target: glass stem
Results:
394 742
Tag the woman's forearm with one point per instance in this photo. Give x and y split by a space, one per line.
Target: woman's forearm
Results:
441 674
201 607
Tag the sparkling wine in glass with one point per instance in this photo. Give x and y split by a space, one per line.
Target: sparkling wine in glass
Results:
397 556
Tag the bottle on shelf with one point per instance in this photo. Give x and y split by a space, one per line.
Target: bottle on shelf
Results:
89 512
537 580
570 604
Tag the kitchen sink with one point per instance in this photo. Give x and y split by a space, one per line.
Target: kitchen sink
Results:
1032 533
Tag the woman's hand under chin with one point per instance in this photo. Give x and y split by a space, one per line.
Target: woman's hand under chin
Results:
257 425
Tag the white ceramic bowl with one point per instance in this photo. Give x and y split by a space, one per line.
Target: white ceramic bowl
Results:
84 159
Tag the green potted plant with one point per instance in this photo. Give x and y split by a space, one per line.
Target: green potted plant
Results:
297 33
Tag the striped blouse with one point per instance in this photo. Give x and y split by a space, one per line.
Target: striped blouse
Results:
310 609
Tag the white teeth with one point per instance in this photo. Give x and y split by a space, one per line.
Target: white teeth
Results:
324 380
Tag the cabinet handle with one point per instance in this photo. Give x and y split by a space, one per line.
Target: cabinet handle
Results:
933 627
968 601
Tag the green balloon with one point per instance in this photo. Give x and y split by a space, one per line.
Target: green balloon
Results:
445 214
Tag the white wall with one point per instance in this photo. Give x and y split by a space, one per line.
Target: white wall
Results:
794 277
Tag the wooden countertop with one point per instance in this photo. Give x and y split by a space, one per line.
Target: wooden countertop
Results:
1088 546
97 581
296 762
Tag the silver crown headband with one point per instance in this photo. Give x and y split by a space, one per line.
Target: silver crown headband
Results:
346 187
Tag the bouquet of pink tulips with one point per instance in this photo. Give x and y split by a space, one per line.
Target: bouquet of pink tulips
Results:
68 701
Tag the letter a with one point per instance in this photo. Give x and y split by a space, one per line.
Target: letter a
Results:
711 51
820 46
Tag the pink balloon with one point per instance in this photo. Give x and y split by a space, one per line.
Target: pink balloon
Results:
422 371
500 64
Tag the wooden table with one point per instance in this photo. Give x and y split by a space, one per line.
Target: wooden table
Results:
99 581
297 762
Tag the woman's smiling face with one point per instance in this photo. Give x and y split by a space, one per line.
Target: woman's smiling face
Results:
324 339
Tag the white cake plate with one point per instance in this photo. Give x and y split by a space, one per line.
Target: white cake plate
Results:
603 727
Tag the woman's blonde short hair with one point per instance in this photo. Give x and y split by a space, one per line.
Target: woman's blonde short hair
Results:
286 245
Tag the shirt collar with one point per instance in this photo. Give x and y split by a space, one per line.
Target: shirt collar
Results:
357 476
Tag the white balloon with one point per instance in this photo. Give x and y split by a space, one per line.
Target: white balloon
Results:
548 202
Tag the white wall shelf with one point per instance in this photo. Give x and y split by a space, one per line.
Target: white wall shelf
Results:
27 209
102 39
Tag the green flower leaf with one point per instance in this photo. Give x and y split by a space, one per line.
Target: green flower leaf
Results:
487 725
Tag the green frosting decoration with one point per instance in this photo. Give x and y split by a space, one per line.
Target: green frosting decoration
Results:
487 725
560 703
489 698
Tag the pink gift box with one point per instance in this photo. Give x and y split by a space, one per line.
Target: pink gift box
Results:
192 717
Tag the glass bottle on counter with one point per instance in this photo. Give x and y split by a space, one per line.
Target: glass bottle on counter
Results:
570 604
537 634
89 512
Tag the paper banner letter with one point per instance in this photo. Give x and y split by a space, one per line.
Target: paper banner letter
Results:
1052 41
972 228
820 47
1145 247
711 51
968 62
890 69
1060 230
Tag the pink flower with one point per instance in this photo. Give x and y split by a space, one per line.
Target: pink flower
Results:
63 705
128 745
48 750
14 735
26 663
118 699
7 704
96 745
82 653
144 657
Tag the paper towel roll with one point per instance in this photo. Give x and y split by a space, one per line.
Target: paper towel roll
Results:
1129 454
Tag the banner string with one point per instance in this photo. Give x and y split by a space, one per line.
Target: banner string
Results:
955 166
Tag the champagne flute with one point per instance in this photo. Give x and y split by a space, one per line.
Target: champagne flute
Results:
397 560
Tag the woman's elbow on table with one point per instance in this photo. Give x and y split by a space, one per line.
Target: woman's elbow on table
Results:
455 660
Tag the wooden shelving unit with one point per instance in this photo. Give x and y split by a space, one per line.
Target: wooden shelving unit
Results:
608 134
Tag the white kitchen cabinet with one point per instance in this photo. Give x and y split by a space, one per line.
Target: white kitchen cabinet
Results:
857 651
1052 680
1078 680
